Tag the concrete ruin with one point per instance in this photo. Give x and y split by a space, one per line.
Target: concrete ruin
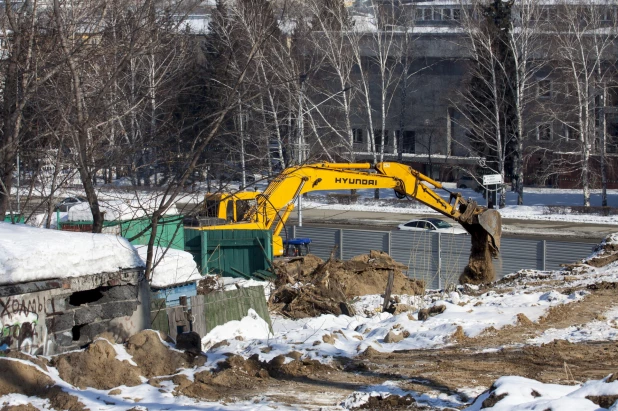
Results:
53 316
59 290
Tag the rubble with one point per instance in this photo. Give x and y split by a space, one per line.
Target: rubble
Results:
308 286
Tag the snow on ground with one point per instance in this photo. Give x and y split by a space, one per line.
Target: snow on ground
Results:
525 394
29 254
171 266
537 202
604 328
353 335
388 388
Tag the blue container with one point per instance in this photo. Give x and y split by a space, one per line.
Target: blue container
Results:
172 294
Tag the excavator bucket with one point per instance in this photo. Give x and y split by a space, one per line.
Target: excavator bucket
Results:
485 228
491 221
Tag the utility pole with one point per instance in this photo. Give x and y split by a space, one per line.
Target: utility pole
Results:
301 146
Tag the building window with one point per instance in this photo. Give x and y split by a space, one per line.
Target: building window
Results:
456 14
446 14
357 134
419 14
407 142
571 131
544 88
381 137
427 15
543 132
607 13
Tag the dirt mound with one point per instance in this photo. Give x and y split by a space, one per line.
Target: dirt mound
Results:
388 402
233 374
19 378
327 286
20 407
155 358
61 400
96 367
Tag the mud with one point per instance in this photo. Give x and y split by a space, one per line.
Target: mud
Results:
96 367
480 268
155 358
20 378
328 286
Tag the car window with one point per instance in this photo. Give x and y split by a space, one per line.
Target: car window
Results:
430 226
412 224
441 224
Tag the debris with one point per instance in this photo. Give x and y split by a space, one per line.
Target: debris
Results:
309 286
189 342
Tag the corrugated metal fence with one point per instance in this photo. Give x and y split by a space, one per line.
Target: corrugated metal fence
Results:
439 258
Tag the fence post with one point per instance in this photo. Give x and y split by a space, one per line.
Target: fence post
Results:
341 244
293 231
544 254
388 243
439 261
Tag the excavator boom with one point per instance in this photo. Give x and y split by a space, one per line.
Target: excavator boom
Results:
274 205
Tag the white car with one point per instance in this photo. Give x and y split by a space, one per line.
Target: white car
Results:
432 224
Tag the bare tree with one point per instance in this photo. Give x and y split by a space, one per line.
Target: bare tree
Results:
583 40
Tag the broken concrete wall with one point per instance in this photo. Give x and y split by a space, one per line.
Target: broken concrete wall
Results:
48 317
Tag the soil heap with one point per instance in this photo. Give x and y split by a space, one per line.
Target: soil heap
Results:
308 286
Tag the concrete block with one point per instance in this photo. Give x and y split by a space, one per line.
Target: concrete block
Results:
64 339
58 323
57 304
118 309
119 293
87 314
90 331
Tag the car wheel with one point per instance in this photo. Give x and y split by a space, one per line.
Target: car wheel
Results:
463 186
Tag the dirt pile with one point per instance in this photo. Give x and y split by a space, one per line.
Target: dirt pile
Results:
17 377
155 358
236 374
606 253
96 367
20 378
327 286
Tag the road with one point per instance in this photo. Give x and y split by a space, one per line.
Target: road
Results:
533 229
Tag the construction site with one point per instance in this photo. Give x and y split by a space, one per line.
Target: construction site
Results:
245 311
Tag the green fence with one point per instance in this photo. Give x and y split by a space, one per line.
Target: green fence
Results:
224 306
170 231
15 218
211 310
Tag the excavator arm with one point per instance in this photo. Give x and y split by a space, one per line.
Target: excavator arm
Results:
275 204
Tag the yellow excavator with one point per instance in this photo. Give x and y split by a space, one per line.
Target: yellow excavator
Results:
273 207
228 206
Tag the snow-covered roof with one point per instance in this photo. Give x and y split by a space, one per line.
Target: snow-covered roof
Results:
172 266
31 254
117 210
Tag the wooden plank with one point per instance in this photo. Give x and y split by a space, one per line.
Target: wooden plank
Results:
158 315
389 290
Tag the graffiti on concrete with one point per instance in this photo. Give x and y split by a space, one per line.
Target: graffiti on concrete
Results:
20 323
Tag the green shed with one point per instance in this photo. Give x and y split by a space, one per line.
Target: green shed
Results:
230 253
